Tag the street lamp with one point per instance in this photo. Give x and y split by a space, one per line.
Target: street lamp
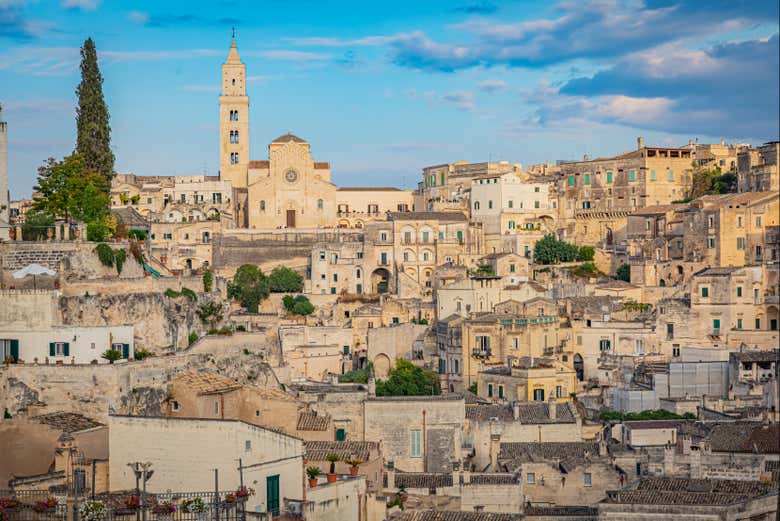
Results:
142 473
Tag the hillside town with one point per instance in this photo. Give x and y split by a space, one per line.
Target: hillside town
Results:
584 340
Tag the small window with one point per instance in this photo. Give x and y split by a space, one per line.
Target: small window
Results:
530 478
739 323
609 177
558 391
257 414
500 391
671 175
175 406
248 445
705 292
632 175
587 479
739 291
415 443
511 204
571 180
216 408
587 179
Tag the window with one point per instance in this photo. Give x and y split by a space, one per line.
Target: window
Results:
426 237
758 323
558 391
415 443
716 325
711 221
605 344
671 175
319 204
358 273
652 175
571 180
632 175
710 242
333 291
739 323
490 390
705 291
676 352
383 258
739 291
511 268
536 189
490 204
537 204
407 237
740 243
216 407
538 395
587 479
248 445
175 406
183 198
530 478
511 204
500 391
167 236
234 158
383 236
758 221
341 435
587 179
511 225
739 221
609 177
335 277
257 413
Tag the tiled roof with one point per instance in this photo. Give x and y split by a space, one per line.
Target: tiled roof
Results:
745 437
717 271
653 424
441 515
311 421
67 421
423 398
367 189
318 450
682 491
530 413
130 217
561 510
208 383
757 356
494 479
288 138
568 454
423 479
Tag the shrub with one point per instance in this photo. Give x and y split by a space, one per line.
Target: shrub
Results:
359 376
551 250
283 279
120 256
139 235
112 355
208 281
97 231
586 253
137 252
187 292
406 379
299 305
623 273
192 338
140 354
171 293
105 254
249 286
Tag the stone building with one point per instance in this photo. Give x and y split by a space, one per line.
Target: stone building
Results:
700 499
418 433
528 379
447 186
596 196
757 168
562 473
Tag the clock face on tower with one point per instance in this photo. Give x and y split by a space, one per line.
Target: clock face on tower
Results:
291 176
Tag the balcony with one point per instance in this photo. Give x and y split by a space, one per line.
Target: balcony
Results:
480 353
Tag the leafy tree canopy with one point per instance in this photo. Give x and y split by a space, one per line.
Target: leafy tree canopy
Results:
283 279
92 119
623 273
299 305
406 379
249 286
657 414
551 250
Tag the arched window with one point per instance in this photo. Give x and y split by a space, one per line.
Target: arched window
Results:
425 256
357 273
490 204
234 82
476 205
262 206
319 204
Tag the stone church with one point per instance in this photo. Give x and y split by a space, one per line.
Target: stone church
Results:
289 189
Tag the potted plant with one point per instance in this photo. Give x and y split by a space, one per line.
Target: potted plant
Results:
9 503
131 503
313 472
243 493
332 458
164 510
47 505
230 497
93 511
353 465
195 506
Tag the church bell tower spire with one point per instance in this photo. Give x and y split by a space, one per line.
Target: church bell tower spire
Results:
234 120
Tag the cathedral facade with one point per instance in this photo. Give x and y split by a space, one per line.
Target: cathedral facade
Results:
289 189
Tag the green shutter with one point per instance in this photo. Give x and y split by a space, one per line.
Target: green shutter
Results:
15 349
51 349
125 351
67 349
587 179
571 180
609 177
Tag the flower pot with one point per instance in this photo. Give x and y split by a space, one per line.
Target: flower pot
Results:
332 478
353 471
312 482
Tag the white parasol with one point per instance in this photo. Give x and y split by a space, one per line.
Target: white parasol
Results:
33 269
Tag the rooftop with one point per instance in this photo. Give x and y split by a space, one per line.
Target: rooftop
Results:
311 421
750 437
68 422
207 383
288 138
443 515
682 491
757 356
529 412
318 450
567 454
427 216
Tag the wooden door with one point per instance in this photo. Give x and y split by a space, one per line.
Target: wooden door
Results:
291 218
272 493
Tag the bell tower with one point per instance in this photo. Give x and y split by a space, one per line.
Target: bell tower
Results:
234 120
4 199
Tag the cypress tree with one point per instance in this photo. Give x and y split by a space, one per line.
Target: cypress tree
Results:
94 133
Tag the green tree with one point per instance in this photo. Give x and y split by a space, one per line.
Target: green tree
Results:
623 273
211 313
283 279
92 118
36 224
208 281
249 287
406 379
299 305
550 250
586 253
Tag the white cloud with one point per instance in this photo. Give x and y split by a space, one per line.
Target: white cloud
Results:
138 17
492 85
462 99
87 5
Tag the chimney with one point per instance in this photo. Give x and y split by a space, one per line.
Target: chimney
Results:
495 446
640 143
552 407
516 410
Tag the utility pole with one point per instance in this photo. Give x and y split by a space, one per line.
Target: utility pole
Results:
143 474
216 494
241 486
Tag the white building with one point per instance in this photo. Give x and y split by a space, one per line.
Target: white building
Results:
65 344
184 453
505 203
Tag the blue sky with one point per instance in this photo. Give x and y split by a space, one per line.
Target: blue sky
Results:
382 89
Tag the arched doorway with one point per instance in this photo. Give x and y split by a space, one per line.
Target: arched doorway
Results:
189 264
381 366
609 237
380 281
579 367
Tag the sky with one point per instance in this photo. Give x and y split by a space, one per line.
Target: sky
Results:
382 89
